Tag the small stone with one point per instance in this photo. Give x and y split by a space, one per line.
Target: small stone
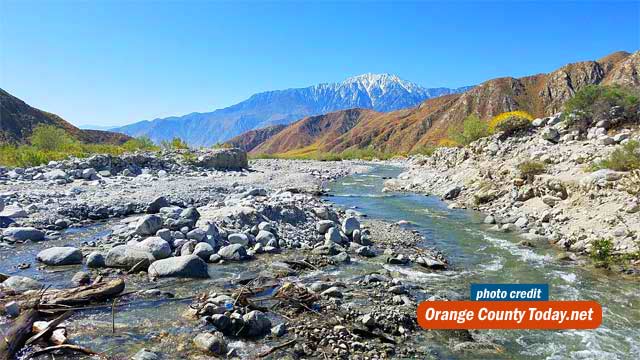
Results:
211 343
12 309
279 330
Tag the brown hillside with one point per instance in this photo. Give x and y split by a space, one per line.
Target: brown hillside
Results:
405 130
17 121
249 140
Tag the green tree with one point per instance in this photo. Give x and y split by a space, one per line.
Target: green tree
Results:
50 138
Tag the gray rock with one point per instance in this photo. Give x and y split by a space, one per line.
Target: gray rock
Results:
23 234
12 309
522 222
158 248
333 235
264 237
333 292
551 134
56 174
452 193
490 219
105 173
157 204
56 256
233 252
188 247
551 200
148 225
368 320
224 159
203 250
279 330
221 322
266 226
145 354
349 225
21 284
165 234
89 174
365 251
539 122
211 343
197 235
127 256
256 323
431 263
14 212
239 238
190 266
81 278
96 260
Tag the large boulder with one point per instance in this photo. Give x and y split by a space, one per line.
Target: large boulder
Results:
60 256
203 250
349 225
190 266
23 234
56 174
233 252
157 204
127 256
154 245
224 159
148 225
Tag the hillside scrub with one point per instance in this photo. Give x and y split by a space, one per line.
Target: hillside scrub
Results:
530 168
510 122
615 104
314 154
472 129
174 144
50 143
624 158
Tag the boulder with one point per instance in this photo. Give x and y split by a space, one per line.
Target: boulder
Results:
89 174
223 159
190 266
333 234
158 248
148 225
203 250
211 343
256 323
452 193
21 284
14 212
56 256
349 225
233 252
127 256
145 354
239 238
157 204
551 134
324 225
279 330
23 234
81 278
264 237
96 260
56 174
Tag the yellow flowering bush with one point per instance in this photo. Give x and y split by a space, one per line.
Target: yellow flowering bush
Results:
447 143
510 122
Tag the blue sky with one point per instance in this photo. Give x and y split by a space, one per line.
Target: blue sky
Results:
116 62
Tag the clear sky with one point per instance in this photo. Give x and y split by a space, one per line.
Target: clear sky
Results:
116 62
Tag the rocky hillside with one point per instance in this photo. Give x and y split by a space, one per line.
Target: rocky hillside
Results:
381 92
540 185
406 130
18 119
249 140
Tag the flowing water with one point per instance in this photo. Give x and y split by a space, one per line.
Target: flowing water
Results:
478 255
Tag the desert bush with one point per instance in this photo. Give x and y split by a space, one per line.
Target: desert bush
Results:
631 183
510 122
601 250
426 150
601 102
448 143
141 143
174 144
530 168
472 129
51 138
624 158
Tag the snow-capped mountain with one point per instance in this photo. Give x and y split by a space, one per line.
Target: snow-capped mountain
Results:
380 92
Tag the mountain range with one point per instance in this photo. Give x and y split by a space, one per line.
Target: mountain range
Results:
427 123
18 119
380 92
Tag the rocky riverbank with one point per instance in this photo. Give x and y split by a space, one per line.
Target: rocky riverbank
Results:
565 202
164 218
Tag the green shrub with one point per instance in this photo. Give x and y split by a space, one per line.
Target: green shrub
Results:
530 168
472 129
601 250
595 102
624 158
175 144
51 138
426 150
513 124
141 143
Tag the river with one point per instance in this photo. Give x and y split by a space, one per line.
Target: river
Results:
478 255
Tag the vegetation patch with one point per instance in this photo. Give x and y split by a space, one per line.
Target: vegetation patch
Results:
510 122
624 158
472 129
602 102
50 143
530 168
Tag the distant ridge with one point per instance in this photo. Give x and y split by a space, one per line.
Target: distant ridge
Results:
380 92
429 122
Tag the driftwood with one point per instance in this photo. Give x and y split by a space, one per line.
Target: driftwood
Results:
15 338
276 348
50 328
59 298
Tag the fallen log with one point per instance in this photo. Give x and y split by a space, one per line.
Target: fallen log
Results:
58 298
276 348
15 338
46 332
75 348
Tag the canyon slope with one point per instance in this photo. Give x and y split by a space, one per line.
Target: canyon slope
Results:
18 119
409 129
